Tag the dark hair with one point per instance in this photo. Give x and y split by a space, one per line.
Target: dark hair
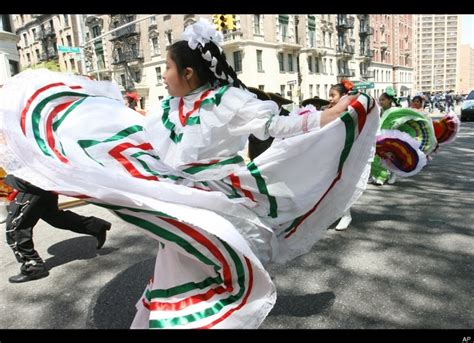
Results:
417 97
131 102
339 87
395 100
185 57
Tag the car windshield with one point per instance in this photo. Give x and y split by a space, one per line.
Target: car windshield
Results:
470 96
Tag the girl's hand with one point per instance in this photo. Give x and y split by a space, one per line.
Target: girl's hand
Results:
346 100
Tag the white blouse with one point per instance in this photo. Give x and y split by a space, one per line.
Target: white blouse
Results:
219 127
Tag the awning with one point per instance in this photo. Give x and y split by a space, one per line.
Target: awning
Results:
283 18
311 22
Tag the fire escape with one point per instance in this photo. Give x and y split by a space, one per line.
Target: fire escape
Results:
47 36
94 53
344 50
126 53
365 31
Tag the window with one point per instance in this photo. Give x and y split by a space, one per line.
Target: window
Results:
14 67
155 45
166 17
330 66
310 64
95 31
37 52
158 75
28 58
25 39
137 75
281 62
169 37
5 23
134 49
330 40
72 63
290 62
312 30
310 91
283 27
317 92
152 20
340 42
324 66
122 80
66 20
316 65
259 61
237 61
282 90
33 32
69 40
256 24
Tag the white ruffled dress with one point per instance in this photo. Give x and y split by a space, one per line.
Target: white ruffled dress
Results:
219 220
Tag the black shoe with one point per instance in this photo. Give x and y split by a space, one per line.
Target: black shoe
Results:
102 235
28 277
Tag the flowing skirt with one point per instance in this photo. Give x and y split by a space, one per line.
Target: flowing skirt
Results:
74 136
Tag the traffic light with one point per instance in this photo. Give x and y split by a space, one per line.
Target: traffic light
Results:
230 22
219 21
224 22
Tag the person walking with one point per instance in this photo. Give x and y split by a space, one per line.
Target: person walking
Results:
29 204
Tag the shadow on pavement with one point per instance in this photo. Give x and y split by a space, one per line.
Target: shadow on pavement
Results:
302 305
79 248
114 305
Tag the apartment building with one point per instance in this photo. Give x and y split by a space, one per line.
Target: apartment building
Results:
9 60
392 61
437 52
402 43
466 68
40 36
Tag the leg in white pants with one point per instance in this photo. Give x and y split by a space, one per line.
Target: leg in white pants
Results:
345 220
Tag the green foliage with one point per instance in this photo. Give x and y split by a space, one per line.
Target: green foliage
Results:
51 65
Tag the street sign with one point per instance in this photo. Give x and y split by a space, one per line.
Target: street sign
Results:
364 85
291 82
73 49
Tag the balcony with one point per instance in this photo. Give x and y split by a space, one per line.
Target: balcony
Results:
127 57
232 39
345 51
383 45
152 27
345 72
125 32
366 30
367 53
343 22
368 74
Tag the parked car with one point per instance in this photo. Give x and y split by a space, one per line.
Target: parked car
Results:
467 109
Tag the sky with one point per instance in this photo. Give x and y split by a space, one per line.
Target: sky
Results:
467 30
